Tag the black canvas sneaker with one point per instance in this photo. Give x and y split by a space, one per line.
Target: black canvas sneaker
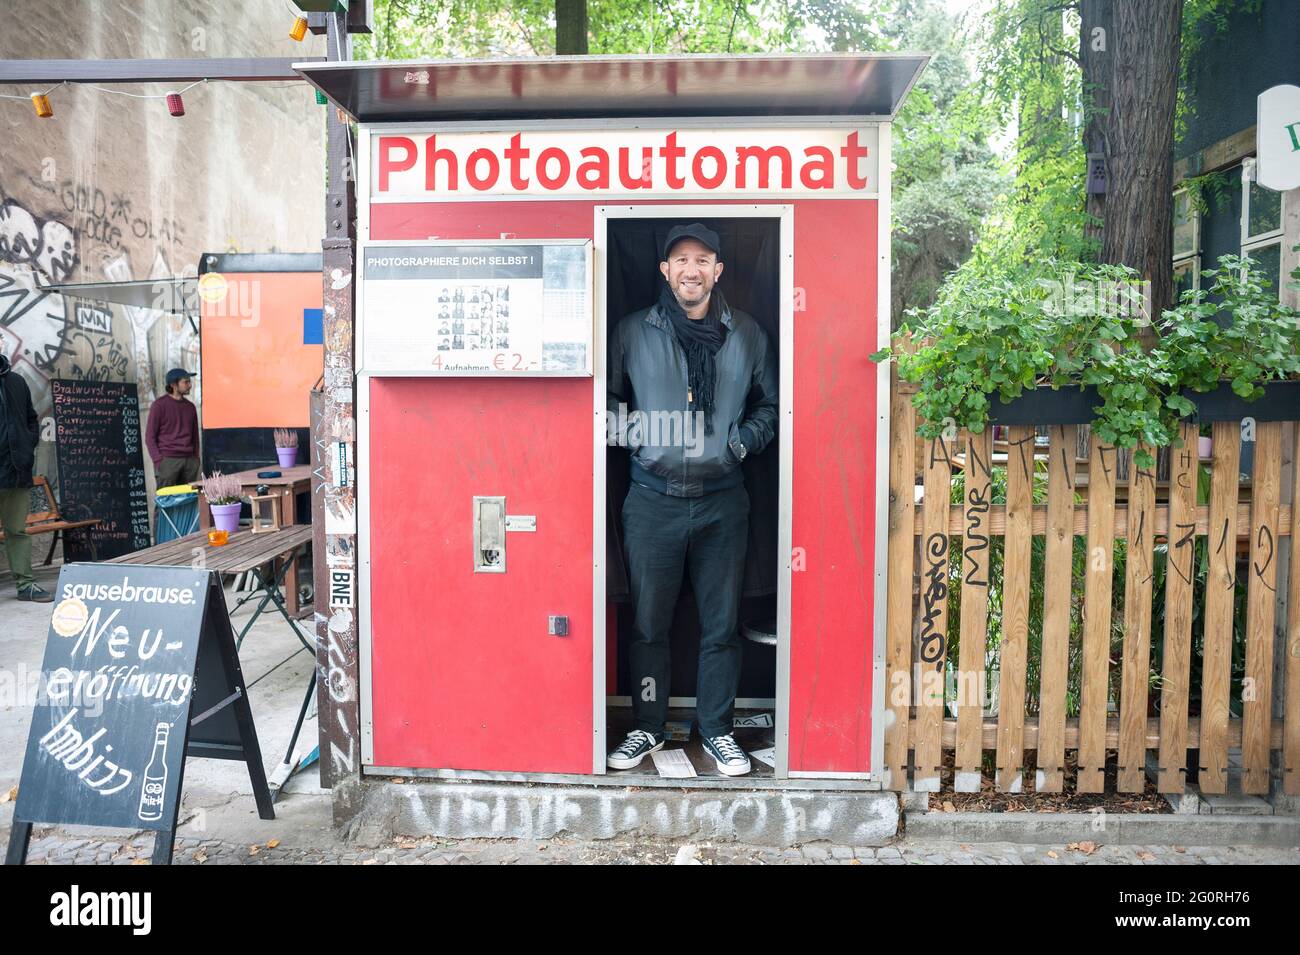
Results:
726 752
634 749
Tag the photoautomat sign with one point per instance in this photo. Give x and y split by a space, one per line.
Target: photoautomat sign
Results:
490 308
641 163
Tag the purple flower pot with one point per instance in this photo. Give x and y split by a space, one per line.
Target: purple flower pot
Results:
225 517
288 456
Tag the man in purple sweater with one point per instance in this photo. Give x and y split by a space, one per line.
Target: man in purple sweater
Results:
172 433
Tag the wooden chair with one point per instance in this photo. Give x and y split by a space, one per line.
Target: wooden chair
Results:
50 521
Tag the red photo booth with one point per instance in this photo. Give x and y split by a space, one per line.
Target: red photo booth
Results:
509 214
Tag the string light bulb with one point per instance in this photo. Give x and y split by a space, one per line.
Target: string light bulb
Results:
299 29
175 105
41 103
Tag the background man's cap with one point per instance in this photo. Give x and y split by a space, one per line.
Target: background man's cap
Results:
176 374
696 230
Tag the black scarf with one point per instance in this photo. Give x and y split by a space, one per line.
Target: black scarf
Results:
700 340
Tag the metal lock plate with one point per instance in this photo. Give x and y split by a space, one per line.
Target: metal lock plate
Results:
489 535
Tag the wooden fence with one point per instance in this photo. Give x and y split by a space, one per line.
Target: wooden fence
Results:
1092 641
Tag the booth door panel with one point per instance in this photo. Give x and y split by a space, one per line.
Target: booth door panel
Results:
464 672
835 423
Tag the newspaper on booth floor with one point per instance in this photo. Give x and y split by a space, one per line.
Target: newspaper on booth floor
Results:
673 763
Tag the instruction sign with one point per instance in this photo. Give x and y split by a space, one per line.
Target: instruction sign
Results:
505 309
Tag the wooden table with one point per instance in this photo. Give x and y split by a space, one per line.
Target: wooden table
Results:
291 482
245 551
270 556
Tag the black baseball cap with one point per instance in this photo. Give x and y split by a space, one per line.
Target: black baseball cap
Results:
696 230
176 374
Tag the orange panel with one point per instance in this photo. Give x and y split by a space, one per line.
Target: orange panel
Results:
256 371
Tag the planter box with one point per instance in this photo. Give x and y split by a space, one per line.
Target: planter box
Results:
1281 402
1073 405
1070 405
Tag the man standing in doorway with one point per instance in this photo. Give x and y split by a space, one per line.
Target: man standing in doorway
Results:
706 374
172 433
19 433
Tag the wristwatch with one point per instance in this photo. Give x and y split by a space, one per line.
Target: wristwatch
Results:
744 451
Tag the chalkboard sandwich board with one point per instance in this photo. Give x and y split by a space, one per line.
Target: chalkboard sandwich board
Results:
101 466
139 672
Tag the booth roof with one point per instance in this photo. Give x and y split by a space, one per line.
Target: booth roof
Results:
611 87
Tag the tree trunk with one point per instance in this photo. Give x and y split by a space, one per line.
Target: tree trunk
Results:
1138 229
571 27
1095 63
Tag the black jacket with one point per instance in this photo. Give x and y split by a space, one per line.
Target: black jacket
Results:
19 429
647 374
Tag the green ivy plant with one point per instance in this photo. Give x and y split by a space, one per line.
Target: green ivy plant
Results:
1232 329
1061 325
1212 188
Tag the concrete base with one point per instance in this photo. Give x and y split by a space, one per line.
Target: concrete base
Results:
1191 801
464 810
1109 828
1283 803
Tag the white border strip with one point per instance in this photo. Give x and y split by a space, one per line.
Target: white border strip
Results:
883 308
599 610
726 210
785 499
364 644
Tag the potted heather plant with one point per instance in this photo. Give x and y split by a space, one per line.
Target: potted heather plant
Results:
223 494
286 447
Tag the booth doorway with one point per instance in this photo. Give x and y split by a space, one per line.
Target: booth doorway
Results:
757 279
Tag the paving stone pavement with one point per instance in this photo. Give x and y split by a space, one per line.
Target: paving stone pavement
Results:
58 848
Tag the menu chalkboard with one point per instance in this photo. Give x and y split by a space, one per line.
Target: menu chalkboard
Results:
101 467
139 671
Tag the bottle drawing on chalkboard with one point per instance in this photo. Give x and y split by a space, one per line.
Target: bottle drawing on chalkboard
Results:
155 777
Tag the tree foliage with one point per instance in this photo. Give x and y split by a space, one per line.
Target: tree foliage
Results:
947 176
406 29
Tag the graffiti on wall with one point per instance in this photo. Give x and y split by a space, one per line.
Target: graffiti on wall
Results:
75 234
107 219
34 322
47 335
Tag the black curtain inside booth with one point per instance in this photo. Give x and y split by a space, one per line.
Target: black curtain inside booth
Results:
751 282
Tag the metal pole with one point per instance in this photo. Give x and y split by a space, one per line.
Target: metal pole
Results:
333 483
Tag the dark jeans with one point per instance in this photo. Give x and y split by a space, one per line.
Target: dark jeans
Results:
171 471
705 536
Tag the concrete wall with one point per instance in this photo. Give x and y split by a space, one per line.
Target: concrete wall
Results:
113 187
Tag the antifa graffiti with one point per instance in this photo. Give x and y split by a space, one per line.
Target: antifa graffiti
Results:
108 220
933 639
978 499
